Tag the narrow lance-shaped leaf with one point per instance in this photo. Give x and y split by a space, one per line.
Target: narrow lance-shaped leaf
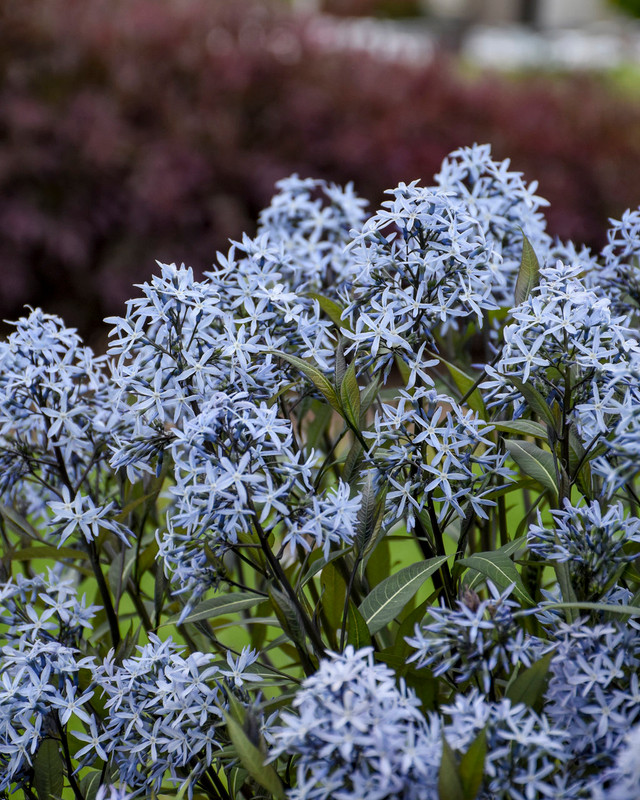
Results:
90 784
534 462
370 514
369 394
332 310
529 273
48 775
253 760
530 685
449 783
522 427
288 615
333 595
320 425
219 606
357 632
352 462
534 400
340 368
466 385
319 380
391 595
500 570
350 397
472 766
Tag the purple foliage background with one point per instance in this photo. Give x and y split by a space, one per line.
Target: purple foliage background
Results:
133 131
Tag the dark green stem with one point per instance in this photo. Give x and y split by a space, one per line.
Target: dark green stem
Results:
112 619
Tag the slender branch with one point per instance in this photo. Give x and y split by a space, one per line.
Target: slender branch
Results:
104 594
347 597
441 551
279 575
67 758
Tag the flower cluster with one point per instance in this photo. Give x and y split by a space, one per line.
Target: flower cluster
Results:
311 221
565 341
620 277
165 710
431 450
477 640
40 689
422 263
593 692
237 470
503 205
358 734
624 777
592 543
57 418
524 751
230 479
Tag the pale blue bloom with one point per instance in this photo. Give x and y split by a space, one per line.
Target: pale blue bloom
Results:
356 731
479 639
590 541
502 204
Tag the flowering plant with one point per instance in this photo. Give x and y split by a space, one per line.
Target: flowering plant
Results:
355 515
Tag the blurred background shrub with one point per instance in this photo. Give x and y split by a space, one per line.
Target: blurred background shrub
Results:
631 7
138 130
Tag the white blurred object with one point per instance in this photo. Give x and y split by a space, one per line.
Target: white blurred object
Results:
515 47
383 39
548 13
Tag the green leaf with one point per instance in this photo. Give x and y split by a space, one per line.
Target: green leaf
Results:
535 400
407 628
370 514
610 608
357 632
524 427
331 309
48 774
369 394
567 591
130 507
218 606
319 380
159 590
18 522
252 760
465 384
127 645
341 363
334 591
321 420
350 397
321 562
403 369
391 595
449 783
529 273
513 546
281 391
534 462
237 778
530 685
375 561
289 616
90 784
48 552
472 766
578 458
352 462
500 569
